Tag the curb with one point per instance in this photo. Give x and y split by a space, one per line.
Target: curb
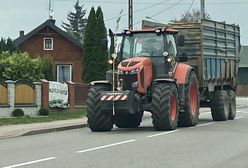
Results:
56 129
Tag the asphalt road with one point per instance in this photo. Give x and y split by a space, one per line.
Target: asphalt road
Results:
208 145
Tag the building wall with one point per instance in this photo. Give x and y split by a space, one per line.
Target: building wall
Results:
64 51
242 76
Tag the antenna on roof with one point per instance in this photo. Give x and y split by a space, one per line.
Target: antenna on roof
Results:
51 12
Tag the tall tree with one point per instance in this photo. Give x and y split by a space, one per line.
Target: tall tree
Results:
194 16
7 45
102 52
95 53
89 47
77 21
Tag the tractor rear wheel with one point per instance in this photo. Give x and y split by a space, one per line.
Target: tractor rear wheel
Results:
220 106
232 104
128 120
189 117
164 107
97 119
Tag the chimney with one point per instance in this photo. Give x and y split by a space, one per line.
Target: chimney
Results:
21 34
51 21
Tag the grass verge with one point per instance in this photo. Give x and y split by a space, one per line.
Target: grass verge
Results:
53 116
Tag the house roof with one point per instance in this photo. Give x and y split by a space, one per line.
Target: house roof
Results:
243 57
51 24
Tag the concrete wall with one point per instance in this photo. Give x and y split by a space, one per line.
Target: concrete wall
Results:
31 110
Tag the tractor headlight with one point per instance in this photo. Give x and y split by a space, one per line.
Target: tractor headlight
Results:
110 61
169 59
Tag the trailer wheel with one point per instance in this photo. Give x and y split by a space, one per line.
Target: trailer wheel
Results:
97 119
189 117
128 120
164 107
232 104
220 106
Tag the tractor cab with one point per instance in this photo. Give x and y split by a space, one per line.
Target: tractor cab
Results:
156 44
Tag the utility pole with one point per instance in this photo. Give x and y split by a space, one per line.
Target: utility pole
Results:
130 14
202 9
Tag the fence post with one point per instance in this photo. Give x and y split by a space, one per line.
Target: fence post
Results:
37 95
44 93
71 94
11 94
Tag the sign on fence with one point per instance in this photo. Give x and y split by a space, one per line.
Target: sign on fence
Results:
58 94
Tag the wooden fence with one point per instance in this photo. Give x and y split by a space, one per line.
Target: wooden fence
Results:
24 93
3 92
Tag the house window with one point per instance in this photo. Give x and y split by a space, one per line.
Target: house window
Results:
48 44
64 73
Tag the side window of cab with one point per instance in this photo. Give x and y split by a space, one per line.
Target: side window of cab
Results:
172 50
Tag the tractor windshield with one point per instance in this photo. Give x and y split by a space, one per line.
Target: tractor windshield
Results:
142 44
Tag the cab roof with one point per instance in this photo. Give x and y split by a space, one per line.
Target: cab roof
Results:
161 29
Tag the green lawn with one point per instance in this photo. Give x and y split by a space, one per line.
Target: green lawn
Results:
53 116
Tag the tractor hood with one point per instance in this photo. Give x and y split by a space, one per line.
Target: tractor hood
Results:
134 63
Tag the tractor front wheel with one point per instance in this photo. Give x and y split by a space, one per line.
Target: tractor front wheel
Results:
98 120
164 107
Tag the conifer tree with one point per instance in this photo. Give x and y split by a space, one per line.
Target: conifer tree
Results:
101 52
77 22
94 53
89 47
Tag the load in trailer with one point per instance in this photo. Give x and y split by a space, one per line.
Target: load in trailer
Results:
154 75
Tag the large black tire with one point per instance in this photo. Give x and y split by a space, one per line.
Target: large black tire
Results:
232 104
97 119
164 107
128 120
189 116
220 106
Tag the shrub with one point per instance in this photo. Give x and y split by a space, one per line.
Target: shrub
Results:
44 112
17 113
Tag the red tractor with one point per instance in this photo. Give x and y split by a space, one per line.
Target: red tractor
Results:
150 76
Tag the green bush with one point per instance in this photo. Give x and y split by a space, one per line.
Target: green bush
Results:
44 112
18 113
20 66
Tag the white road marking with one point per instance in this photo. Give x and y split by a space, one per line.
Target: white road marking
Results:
163 133
238 118
106 146
31 162
201 125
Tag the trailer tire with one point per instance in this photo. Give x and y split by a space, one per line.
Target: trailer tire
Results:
164 107
128 120
220 105
232 104
189 116
97 119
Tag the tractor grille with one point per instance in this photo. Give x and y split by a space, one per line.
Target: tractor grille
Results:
128 79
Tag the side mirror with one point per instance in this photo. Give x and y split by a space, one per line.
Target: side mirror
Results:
112 45
180 40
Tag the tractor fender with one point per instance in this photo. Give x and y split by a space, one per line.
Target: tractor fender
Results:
101 82
181 73
164 80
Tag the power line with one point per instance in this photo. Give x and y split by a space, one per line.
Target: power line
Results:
173 5
149 3
191 5
139 10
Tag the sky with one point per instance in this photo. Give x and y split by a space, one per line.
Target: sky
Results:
26 15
